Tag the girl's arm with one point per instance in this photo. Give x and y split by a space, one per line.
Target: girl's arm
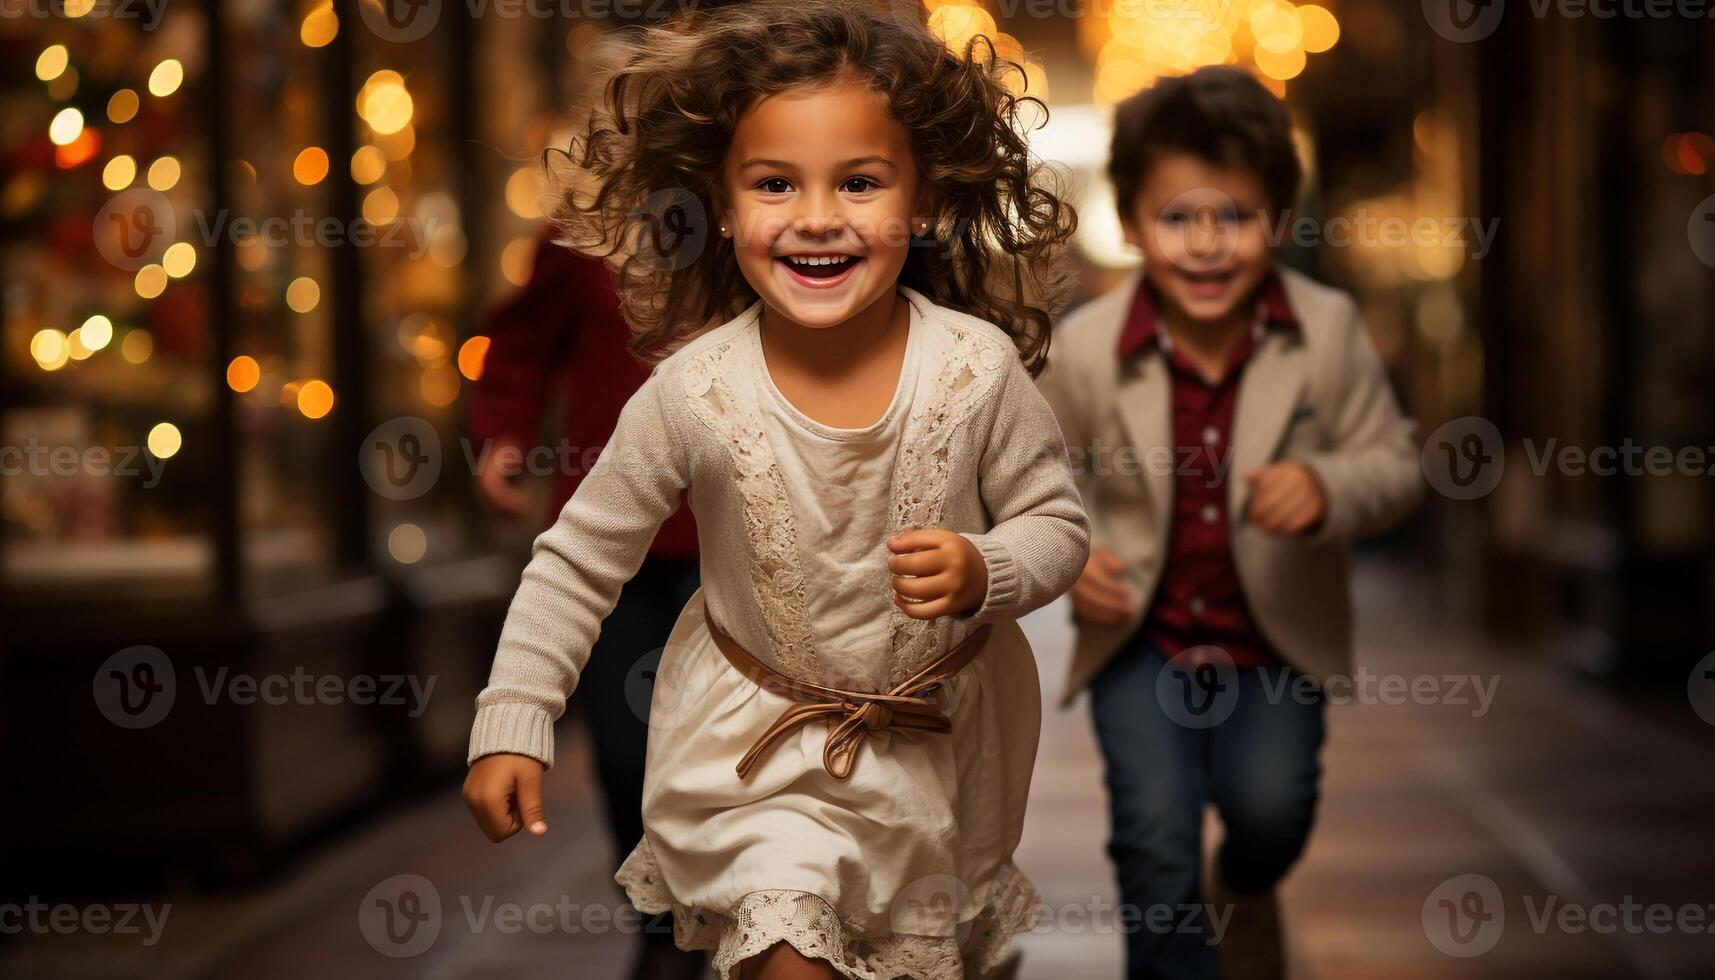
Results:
576 570
1041 535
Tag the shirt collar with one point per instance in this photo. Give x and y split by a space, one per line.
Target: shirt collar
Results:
1142 327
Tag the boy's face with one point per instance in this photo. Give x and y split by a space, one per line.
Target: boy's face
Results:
1204 239
821 173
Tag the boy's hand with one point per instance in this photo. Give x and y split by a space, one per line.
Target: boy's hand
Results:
951 576
494 478
1286 498
1100 595
504 791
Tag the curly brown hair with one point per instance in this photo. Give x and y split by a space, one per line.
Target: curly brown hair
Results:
656 145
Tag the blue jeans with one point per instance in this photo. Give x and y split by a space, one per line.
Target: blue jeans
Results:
1247 741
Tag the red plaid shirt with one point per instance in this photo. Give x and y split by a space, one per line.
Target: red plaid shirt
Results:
1199 601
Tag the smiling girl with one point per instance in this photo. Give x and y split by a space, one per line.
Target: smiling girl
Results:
845 718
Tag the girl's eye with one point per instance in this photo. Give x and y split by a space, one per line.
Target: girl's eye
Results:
865 181
774 180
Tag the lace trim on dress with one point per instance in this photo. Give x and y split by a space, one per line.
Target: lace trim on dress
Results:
815 930
970 367
775 573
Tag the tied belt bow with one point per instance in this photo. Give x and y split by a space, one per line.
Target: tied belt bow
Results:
908 705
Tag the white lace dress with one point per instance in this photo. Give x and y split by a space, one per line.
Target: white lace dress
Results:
905 868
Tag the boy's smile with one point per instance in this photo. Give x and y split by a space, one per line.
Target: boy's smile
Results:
1202 232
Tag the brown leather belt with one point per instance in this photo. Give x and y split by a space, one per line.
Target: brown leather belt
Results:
908 705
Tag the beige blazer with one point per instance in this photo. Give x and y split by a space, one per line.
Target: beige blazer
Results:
1321 398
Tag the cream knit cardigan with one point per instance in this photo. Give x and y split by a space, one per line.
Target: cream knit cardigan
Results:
981 454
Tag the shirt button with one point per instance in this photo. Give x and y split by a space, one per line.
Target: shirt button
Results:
1197 605
1211 514
1211 435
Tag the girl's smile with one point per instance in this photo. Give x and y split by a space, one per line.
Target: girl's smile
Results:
825 271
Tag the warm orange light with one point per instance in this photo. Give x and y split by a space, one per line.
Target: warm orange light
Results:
440 385
243 373
315 398
310 166
79 150
122 107
1691 155
320 26
472 354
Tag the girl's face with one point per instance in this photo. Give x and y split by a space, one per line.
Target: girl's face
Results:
821 200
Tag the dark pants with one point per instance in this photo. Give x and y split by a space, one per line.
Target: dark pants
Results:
613 695
1245 740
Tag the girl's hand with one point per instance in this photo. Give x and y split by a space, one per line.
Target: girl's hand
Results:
504 791
951 577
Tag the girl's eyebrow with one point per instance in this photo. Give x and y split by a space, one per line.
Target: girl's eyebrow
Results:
848 165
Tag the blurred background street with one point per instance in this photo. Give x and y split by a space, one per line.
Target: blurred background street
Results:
254 252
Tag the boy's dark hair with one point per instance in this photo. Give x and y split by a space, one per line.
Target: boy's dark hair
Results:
1220 115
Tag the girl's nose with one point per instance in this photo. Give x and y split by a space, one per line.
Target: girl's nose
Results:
820 215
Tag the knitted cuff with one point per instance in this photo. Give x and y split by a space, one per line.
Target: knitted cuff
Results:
1004 587
514 727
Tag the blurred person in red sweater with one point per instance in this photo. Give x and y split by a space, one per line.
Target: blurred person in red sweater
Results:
563 332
